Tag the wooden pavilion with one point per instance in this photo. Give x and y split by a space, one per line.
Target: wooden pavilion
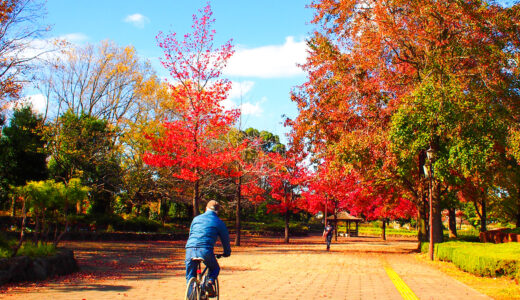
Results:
344 221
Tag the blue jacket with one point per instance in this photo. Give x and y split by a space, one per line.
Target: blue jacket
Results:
204 231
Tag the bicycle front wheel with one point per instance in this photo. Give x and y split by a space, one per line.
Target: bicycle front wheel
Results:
192 290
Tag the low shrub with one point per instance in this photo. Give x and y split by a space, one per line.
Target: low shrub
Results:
5 245
470 235
112 223
276 227
375 231
139 224
4 241
481 259
4 253
32 250
28 249
7 221
516 230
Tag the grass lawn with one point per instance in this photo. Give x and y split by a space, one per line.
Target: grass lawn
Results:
497 288
369 230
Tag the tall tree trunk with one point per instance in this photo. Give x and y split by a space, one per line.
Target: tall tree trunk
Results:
22 230
436 214
163 210
452 219
237 212
57 239
518 217
336 224
13 206
36 229
422 221
483 218
326 201
286 240
195 198
384 230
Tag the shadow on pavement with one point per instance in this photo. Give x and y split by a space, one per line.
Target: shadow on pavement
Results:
95 287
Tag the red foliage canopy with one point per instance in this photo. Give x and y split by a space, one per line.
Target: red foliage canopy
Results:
192 142
287 175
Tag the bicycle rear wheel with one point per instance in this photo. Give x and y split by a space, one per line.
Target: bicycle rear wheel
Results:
217 289
192 290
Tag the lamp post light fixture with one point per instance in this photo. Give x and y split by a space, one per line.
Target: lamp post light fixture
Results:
431 158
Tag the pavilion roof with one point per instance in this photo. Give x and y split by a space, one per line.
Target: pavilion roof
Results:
344 216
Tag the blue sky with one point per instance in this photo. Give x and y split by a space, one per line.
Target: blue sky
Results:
269 38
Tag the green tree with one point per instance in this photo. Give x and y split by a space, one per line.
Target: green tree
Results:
456 124
144 185
49 203
84 146
505 194
22 150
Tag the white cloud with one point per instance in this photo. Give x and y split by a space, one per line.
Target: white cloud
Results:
74 38
48 49
38 102
273 61
227 104
240 89
252 109
247 108
137 20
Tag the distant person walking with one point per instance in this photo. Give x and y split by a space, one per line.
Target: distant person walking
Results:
327 233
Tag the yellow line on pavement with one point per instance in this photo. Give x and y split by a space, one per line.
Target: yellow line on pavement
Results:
405 291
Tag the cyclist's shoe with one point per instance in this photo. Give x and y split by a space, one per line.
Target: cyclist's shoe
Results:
211 289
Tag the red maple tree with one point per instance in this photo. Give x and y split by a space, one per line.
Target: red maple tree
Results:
287 176
331 190
192 142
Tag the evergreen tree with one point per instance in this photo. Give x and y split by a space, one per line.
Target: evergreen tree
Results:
22 150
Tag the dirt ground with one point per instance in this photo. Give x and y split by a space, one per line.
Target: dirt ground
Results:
262 268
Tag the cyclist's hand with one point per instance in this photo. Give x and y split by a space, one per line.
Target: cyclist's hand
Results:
226 254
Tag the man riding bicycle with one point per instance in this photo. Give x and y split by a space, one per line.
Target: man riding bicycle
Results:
204 231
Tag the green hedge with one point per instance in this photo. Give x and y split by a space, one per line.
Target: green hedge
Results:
115 223
483 259
515 230
375 231
274 228
27 248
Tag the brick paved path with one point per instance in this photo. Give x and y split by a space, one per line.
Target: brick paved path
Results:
264 268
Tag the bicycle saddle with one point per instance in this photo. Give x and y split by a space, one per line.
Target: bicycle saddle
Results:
197 259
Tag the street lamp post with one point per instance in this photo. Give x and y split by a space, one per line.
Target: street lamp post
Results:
431 157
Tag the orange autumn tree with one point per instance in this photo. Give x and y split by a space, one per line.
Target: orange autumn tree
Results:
192 144
372 62
19 28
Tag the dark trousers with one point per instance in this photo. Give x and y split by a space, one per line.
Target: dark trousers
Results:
329 240
209 260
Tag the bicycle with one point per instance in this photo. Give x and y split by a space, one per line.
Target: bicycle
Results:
196 287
